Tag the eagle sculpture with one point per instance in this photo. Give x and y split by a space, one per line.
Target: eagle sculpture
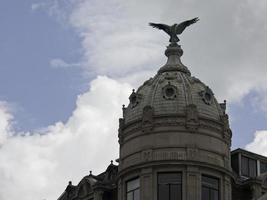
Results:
175 29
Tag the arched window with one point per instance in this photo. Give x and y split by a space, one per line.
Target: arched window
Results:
133 189
170 186
210 188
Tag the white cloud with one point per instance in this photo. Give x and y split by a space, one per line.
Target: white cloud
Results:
225 48
39 165
37 6
59 63
259 144
5 122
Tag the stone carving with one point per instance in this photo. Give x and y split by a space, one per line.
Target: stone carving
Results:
121 125
227 133
123 110
175 29
170 76
192 120
169 155
223 106
192 153
134 99
227 163
169 92
147 155
206 95
147 120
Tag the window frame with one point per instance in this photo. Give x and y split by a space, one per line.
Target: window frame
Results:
210 188
132 190
180 184
263 167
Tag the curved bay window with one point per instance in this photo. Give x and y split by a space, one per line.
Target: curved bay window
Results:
209 188
133 189
169 186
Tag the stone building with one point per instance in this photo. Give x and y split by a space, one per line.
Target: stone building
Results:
175 144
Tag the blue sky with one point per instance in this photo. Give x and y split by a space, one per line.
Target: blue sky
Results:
39 93
67 66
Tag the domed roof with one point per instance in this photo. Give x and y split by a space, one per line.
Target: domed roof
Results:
171 90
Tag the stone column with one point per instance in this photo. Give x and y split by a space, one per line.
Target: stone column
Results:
227 193
120 190
146 184
193 184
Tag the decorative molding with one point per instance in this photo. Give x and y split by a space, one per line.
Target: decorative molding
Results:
147 118
192 153
169 155
121 126
192 120
170 75
227 133
186 154
135 99
147 155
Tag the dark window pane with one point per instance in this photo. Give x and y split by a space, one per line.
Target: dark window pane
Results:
169 186
252 168
175 192
210 182
210 188
263 167
205 194
130 196
214 195
244 166
137 194
133 184
163 191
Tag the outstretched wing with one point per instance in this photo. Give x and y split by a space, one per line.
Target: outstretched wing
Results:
180 27
163 27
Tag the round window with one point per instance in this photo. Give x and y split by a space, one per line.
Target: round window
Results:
169 92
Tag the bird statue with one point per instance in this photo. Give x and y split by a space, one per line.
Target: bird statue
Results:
175 29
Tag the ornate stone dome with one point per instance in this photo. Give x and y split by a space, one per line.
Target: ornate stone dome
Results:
176 113
171 91
173 123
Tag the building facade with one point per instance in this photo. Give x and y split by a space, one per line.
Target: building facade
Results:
175 144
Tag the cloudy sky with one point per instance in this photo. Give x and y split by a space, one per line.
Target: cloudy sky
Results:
67 66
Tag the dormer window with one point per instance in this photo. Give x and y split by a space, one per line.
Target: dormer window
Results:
263 167
248 167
